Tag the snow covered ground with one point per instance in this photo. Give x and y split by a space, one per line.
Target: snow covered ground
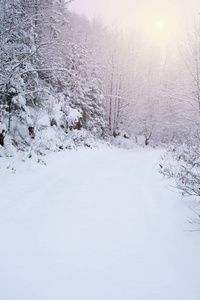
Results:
95 225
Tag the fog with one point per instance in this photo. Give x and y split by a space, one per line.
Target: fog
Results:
129 12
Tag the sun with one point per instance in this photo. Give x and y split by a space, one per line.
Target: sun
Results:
160 22
159 25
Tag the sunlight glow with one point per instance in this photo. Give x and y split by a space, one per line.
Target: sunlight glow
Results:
160 25
160 22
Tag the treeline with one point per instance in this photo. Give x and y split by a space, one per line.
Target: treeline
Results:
59 70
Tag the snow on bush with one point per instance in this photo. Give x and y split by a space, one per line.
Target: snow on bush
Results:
20 145
2 127
73 117
183 164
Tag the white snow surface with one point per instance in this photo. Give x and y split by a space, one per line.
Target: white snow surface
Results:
98 224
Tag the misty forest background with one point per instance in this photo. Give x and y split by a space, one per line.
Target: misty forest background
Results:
66 81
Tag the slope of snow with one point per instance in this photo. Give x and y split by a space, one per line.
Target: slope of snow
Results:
95 225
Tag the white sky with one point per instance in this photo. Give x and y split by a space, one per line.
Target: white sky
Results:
127 11
145 15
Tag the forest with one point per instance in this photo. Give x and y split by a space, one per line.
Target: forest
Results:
67 82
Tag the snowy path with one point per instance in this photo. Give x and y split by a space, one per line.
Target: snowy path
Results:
95 225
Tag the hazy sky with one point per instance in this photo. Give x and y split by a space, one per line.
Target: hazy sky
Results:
126 11
161 21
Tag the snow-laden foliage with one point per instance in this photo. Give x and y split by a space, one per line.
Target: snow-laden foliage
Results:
183 164
49 98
